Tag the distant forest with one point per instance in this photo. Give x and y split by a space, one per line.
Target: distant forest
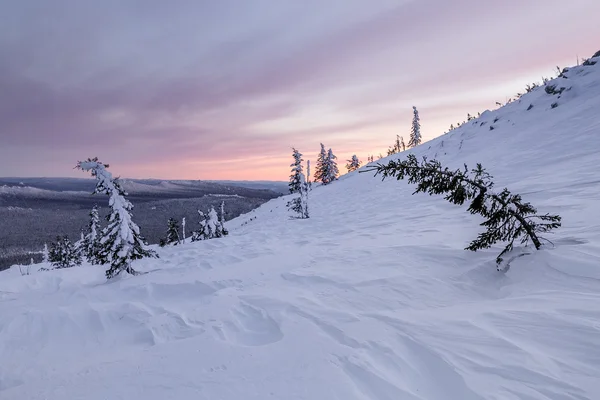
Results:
35 211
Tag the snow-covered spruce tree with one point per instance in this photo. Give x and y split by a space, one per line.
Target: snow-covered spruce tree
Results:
353 163
213 226
63 253
294 184
183 230
91 243
415 130
224 231
320 170
172 234
508 218
121 242
332 171
210 226
299 204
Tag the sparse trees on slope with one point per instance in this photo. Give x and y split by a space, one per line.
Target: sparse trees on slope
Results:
91 246
63 253
121 241
172 234
415 131
296 171
398 146
508 218
299 205
353 163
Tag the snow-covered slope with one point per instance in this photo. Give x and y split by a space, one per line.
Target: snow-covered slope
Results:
373 297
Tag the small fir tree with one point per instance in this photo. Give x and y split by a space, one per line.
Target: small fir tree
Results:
63 253
415 131
294 184
172 234
210 226
200 234
353 163
45 253
321 168
508 218
224 231
91 243
213 227
299 205
121 242
183 230
308 182
331 169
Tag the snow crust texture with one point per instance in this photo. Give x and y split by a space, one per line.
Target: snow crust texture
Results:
372 298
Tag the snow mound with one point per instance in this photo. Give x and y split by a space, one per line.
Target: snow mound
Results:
373 297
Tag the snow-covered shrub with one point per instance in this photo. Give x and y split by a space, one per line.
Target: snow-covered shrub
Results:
63 253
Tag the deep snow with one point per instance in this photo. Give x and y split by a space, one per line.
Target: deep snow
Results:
373 297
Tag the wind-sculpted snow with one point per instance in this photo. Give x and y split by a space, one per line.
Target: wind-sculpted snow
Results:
373 297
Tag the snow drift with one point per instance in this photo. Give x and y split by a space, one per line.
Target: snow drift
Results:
373 297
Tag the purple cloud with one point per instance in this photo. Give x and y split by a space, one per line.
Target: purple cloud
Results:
209 89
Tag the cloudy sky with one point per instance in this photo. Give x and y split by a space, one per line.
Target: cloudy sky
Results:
221 89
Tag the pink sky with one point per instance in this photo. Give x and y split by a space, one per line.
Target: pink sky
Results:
222 90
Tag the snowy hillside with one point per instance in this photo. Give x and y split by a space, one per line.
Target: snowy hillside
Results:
373 297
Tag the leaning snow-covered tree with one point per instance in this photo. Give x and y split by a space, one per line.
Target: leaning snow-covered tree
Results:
183 230
63 253
299 204
321 168
353 163
296 171
91 246
507 217
415 130
121 242
172 234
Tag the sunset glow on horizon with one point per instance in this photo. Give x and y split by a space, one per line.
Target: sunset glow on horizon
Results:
223 90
